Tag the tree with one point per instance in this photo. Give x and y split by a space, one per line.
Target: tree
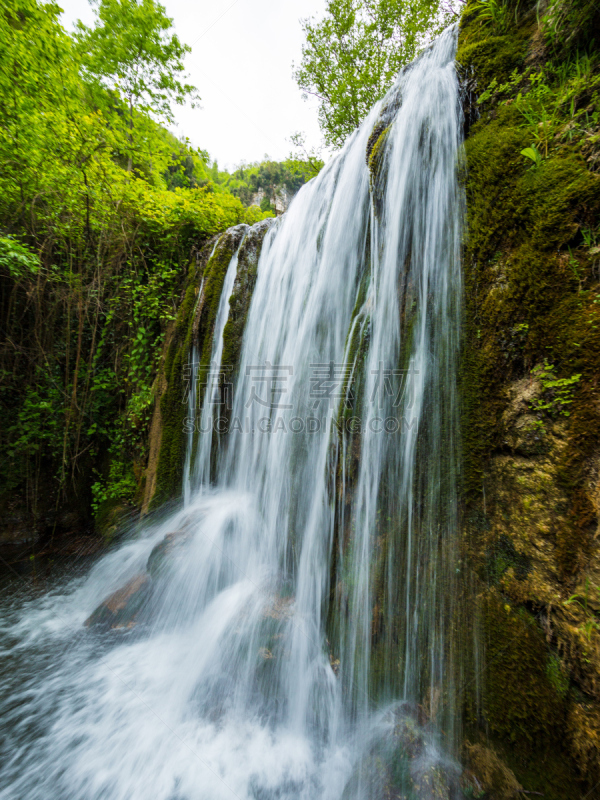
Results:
352 56
131 51
306 163
38 86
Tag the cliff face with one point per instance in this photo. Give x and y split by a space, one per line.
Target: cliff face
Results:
531 410
194 327
529 382
531 404
530 372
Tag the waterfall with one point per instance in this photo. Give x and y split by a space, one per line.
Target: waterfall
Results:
296 641
197 472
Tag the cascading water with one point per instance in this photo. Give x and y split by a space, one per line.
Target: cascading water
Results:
197 471
296 641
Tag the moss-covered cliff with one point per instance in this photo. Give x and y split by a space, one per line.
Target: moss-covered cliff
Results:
194 326
531 363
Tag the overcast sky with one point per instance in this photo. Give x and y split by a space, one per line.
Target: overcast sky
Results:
241 62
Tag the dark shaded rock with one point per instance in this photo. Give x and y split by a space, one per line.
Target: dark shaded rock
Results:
112 515
467 82
121 609
487 775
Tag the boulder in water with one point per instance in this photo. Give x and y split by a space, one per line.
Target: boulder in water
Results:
164 552
121 608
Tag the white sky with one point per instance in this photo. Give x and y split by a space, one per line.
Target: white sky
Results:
241 63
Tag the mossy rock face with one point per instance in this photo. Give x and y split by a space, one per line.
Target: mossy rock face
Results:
377 170
112 514
531 467
493 57
195 322
239 304
522 703
195 325
487 776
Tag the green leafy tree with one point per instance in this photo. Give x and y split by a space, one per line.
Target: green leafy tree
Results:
92 257
352 56
308 163
132 52
271 177
38 95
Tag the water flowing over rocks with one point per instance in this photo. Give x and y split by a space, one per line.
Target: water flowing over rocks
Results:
264 614
336 609
121 608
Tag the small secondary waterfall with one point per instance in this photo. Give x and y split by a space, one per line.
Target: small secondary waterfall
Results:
197 470
296 643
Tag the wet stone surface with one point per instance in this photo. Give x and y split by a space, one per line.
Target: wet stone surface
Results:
121 609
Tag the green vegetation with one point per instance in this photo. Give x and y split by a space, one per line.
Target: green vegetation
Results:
99 209
107 223
530 372
130 53
353 55
558 392
269 179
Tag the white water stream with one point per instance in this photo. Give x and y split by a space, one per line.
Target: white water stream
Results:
300 626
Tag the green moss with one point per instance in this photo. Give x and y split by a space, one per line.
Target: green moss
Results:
519 220
530 297
493 57
525 695
488 53
557 676
375 156
505 556
376 162
189 324
570 25
241 296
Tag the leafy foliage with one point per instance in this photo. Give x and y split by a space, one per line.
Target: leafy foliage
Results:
17 259
494 13
533 154
557 392
99 209
352 56
131 53
270 177
571 25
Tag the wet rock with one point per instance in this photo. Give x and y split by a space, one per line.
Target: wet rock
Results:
279 608
163 554
112 515
486 775
403 762
467 81
121 608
